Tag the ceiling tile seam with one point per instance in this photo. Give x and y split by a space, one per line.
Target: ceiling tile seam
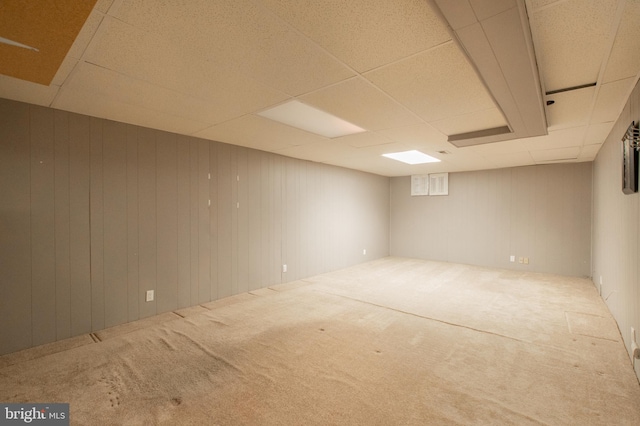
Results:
99 33
353 70
303 35
102 29
115 8
356 73
547 6
615 26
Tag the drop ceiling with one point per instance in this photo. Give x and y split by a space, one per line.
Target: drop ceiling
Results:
467 77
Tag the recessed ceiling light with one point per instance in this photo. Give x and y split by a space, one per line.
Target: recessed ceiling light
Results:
412 157
305 117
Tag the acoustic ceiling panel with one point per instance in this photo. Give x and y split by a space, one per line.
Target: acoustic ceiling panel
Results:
435 84
397 28
259 133
361 140
554 155
150 58
474 121
571 40
242 35
571 108
611 99
624 61
359 102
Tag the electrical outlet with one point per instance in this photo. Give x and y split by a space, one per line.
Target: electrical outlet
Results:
364 252
521 259
526 260
284 268
512 258
150 295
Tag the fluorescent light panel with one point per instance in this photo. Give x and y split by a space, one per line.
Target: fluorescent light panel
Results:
411 157
305 117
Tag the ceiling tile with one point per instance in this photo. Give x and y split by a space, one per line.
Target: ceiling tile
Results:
459 14
611 100
103 5
597 133
75 99
24 91
512 159
419 134
563 138
326 151
477 120
148 57
360 140
260 133
92 84
589 152
397 28
359 102
435 84
487 8
87 33
571 39
624 61
244 36
570 109
560 154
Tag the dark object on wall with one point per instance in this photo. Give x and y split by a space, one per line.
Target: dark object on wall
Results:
630 159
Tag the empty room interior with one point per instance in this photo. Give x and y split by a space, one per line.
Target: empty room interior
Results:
321 212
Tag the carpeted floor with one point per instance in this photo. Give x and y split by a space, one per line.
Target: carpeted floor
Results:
393 341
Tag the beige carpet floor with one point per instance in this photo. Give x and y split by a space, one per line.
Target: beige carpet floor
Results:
390 342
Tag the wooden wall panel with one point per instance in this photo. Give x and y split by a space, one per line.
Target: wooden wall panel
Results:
62 225
116 289
492 214
184 223
194 214
133 273
266 197
79 218
213 220
242 214
253 206
204 223
107 211
15 226
167 222
225 205
42 226
147 225
96 211
616 230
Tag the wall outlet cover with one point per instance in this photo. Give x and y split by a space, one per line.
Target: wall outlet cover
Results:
150 295
284 268
512 258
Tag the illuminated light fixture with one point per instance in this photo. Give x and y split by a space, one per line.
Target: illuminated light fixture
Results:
305 117
412 157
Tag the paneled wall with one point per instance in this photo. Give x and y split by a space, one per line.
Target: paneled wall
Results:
542 213
616 261
94 213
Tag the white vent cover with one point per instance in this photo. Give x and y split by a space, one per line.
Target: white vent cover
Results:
431 184
439 184
419 185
